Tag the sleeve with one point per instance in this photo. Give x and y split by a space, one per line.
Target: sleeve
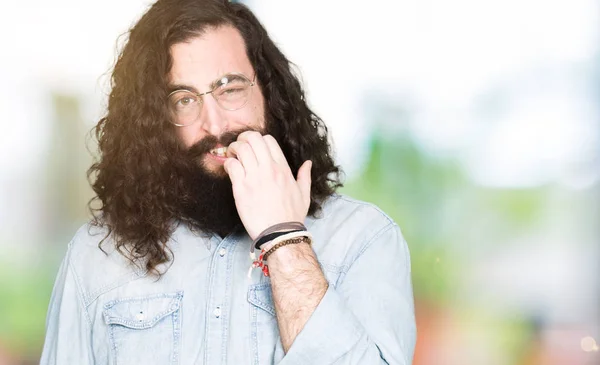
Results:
68 328
369 317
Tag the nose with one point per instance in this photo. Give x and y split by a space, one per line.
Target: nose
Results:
212 116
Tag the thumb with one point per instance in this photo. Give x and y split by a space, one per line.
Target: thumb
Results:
304 179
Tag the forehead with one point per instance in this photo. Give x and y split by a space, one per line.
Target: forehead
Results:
205 58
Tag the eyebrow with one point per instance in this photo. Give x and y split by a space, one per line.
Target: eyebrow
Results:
212 86
176 87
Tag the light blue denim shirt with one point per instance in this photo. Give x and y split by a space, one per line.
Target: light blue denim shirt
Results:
206 310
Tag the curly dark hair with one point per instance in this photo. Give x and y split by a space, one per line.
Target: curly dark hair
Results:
135 176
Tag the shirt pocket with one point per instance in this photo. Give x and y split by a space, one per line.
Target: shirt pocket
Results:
264 333
144 330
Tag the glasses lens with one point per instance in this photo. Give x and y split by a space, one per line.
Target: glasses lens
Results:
185 107
233 92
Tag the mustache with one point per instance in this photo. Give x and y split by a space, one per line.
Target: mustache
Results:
209 142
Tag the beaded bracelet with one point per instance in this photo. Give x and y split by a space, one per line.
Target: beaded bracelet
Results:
290 241
269 248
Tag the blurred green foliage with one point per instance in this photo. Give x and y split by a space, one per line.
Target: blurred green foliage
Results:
414 190
24 297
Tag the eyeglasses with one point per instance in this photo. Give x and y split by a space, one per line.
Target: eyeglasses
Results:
232 92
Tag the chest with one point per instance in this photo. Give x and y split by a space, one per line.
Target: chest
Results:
208 308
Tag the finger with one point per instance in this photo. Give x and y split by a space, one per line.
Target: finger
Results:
244 153
259 146
304 179
275 150
235 170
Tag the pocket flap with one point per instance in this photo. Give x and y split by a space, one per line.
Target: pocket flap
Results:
141 312
260 295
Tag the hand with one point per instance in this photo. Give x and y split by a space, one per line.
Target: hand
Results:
265 190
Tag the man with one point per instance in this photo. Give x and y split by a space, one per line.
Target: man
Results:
208 150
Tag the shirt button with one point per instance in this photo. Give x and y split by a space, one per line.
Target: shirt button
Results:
217 312
222 252
140 316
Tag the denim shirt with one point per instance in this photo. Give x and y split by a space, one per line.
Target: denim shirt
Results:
206 309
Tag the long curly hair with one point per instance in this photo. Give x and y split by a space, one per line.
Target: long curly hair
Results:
135 177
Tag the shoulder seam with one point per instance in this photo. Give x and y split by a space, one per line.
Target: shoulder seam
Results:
121 280
370 241
88 298
368 204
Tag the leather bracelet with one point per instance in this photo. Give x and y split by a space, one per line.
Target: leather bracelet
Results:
286 226
271 236
290 241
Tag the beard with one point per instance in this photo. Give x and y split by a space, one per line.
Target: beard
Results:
208 202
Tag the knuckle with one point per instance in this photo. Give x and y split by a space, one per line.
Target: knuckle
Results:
254 137
246 187
243 134
249 135
243 148
269 138
278 176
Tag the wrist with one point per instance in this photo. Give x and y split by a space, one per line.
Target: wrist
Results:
282 239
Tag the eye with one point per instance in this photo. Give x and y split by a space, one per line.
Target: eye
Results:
232 90
186 100
183 100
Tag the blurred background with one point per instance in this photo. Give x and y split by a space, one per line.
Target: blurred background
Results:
474 124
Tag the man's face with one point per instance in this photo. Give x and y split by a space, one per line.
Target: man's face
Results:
197 64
